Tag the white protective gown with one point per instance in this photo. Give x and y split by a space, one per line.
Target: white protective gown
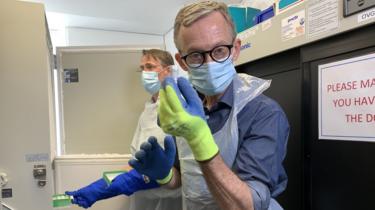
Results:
196 195
153 199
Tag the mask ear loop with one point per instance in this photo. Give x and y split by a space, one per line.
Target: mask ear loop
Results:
174 72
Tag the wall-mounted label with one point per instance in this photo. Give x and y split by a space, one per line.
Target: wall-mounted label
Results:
6 193
367 15
323 16
70 75
245 46
39 157
347 99
293 26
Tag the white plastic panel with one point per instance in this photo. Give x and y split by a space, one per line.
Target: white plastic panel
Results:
76 171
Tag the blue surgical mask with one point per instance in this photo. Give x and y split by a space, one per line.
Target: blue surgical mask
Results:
150 80
212 78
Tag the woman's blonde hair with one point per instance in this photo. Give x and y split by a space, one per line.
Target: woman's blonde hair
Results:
193 12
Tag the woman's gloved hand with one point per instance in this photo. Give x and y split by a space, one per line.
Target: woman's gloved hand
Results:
125 183
154 161
181 114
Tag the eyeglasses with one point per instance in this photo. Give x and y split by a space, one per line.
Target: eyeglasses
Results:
219 54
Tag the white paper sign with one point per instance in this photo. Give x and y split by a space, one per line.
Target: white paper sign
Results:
323 16
347 99
293 26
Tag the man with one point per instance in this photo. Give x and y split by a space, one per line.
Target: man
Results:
231 152
155 66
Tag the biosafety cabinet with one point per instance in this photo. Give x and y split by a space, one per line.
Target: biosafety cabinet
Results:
322 68
26 107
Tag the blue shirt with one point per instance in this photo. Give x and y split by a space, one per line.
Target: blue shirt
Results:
263 131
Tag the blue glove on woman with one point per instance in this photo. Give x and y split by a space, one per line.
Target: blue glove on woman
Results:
126 183
154 161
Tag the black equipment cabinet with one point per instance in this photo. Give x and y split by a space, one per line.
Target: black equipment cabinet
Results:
323 174
284 71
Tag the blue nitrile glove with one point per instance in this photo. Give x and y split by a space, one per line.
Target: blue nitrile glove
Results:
88 195
125 183
181 114
131 182
155 162
188 97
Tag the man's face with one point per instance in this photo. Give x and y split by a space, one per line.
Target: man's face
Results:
206 34
149 63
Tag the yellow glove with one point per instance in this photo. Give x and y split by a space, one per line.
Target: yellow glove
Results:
185 117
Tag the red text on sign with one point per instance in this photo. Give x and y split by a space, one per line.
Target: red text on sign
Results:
369 83
370 117
341 86
354 118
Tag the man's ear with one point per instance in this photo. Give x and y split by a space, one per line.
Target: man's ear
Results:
236 49
180 62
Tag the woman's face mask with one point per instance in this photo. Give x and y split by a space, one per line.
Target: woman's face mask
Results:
212 78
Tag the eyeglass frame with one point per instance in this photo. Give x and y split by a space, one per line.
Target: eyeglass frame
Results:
203 54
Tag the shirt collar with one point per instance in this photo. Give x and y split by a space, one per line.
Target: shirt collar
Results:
227 98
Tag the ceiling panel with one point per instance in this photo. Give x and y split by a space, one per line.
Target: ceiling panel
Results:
141 16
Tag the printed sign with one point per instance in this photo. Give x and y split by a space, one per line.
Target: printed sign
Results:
323 16
347 99
37 157
70 75
6 193
293 26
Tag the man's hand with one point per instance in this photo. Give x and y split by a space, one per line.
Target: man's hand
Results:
181 114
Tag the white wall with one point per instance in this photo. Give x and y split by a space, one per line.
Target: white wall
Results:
169 43
93 37
171 47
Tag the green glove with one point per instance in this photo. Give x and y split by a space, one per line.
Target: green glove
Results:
186 118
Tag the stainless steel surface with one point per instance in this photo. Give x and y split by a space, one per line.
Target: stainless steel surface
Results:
40 174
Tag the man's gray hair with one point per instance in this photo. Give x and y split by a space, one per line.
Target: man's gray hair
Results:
195 11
